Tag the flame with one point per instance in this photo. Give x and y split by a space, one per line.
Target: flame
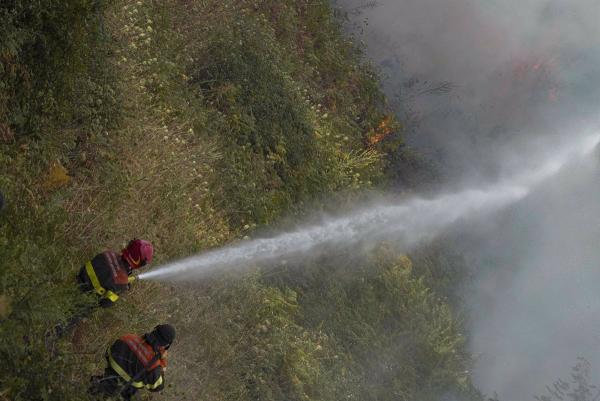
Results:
538 72
523 68
381 131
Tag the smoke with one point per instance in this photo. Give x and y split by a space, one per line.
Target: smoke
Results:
470 76
535 308
485 87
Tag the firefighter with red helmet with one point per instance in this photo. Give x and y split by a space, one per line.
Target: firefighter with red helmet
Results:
134 363
108 274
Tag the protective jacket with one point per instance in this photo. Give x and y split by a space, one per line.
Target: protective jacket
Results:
138 362
107 274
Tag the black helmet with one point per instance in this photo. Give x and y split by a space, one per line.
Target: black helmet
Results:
164 334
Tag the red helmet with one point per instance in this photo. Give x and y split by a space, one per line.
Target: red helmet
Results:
138 253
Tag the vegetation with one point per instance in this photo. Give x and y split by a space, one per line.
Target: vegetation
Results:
190 124
578 388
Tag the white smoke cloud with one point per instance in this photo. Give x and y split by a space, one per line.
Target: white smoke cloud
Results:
491 86
514 69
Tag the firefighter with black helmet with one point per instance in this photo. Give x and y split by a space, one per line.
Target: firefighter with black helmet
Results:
108 274
134 363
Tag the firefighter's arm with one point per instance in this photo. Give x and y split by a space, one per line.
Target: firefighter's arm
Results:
157 381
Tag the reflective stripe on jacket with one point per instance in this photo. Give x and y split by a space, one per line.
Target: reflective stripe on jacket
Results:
107 274
137 363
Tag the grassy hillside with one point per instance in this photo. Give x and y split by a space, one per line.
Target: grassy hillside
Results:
191 124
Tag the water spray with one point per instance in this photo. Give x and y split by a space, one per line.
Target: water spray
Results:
409 222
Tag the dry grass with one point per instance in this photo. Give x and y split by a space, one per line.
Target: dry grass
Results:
150 180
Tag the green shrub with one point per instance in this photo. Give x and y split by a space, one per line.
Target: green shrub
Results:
281 147
391 337
37 292
52 66
246 344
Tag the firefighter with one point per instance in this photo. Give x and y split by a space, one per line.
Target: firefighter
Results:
108 274
134 363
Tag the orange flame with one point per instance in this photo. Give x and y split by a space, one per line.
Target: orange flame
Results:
381 131
542 70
